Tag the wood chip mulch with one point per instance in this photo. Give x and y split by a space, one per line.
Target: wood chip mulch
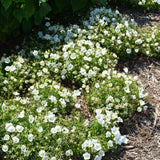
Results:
143 129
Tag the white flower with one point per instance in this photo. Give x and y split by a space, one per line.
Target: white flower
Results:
6 82
86 122
108 134
119 120
19 128
39 109
31 119
77 93
70 67
47 24
45 70
4 148
77 105
21 115
36 97
58 128
54 56
139 109
23 148
126 89
53 158
138 41
39 74
115 130
26 153
125 69
145 107
7 68
15 139
35 53
73 56
97 146
86 156
97 85
110 143
69 152
35 92
16 93
42 153
51 117
9 127
83 71
44 103
40 129
157 1
6 137
53 130
142 102
97 157
128 50
12 68
73 129
53 99
101 153
40 34
30 137
47 37
65 130
6 60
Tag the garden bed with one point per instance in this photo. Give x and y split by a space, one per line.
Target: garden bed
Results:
141 129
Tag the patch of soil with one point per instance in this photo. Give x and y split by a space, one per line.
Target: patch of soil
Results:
142 18
143 129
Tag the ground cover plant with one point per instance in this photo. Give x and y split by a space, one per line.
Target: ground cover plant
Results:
41 116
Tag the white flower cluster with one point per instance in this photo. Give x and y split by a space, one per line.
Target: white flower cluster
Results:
38 110
93 144
144 2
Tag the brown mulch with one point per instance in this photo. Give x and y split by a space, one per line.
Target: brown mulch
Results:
143 129
143 19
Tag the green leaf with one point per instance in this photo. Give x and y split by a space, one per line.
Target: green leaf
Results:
27 25
78 4
42 1
44 9
18 14
41 13
6 3
61 4
28 9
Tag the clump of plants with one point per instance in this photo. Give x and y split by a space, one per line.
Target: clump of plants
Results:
111 30
42 117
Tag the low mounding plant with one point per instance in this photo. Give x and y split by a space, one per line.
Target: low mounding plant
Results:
42 118
111 30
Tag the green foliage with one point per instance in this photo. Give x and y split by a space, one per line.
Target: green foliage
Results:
21 15
44 118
